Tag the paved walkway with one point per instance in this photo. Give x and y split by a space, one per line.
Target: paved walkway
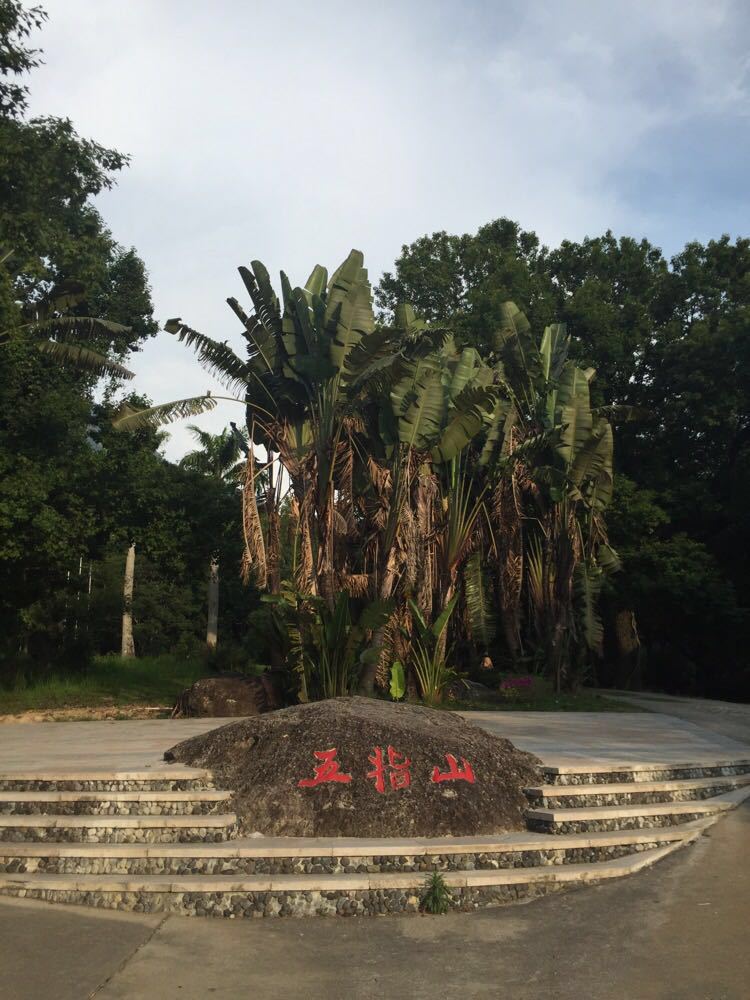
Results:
729 718
557 737
675 932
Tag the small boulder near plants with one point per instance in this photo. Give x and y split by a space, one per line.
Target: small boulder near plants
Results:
365 768
227 695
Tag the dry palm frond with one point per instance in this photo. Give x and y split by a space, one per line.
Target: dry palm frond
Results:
305 581
254 554
340 523
380 477
506 514
274 540
326 531
344 474
388 638
355 584
409 543
426 494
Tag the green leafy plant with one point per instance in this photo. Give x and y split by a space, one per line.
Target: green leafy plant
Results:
326 649
428 652
398 681
436 898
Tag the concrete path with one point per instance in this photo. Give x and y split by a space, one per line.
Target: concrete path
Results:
86 746
676 932
557 737
561 738
728 718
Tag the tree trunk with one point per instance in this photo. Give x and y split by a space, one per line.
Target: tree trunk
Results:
212 630
128 646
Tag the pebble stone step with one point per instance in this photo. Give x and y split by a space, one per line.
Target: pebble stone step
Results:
574 820
596 772
634 792
117 828
275 895
194 802
149 779
147 856
333 855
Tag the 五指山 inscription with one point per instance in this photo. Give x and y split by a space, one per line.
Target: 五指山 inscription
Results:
388 764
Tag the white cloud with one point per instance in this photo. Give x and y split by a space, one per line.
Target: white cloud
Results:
292 132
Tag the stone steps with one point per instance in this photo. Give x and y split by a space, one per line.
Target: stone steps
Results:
280 855
633 793
321 894
99 803
118 829
589 821
173 778
607 772
591 818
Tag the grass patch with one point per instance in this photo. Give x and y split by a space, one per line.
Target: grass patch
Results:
148 680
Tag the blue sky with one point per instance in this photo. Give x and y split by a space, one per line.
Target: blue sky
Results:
291 132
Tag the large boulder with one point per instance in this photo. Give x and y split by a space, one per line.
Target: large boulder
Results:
365 768
228 695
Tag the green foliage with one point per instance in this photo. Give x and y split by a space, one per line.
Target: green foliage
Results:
398 681
436 896
461 447
110 680
479 603
326 648
669 345
428 659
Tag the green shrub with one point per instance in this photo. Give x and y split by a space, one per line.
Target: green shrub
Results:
436 898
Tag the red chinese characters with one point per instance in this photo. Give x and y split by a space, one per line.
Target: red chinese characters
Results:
454 772
399 774
386 763
327 771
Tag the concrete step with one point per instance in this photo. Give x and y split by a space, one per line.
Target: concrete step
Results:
149 803
175 777
587 772
118 829
318 894
578 820
279 855
633 792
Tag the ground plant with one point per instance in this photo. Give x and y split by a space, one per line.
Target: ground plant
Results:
436 896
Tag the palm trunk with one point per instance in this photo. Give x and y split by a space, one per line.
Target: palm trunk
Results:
212 630
128 646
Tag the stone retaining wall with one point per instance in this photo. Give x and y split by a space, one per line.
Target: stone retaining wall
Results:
104 807
669 774
371 902
110 835
106 785
621 823
563 801
320 865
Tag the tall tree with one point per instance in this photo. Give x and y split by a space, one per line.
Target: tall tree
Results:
56 250
219 458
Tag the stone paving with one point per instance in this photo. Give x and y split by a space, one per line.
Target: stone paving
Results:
559 738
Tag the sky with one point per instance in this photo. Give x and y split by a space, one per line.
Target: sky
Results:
291 132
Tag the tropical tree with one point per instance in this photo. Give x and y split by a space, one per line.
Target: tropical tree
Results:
219 458
417 472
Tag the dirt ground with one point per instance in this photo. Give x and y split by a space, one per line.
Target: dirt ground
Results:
97 713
